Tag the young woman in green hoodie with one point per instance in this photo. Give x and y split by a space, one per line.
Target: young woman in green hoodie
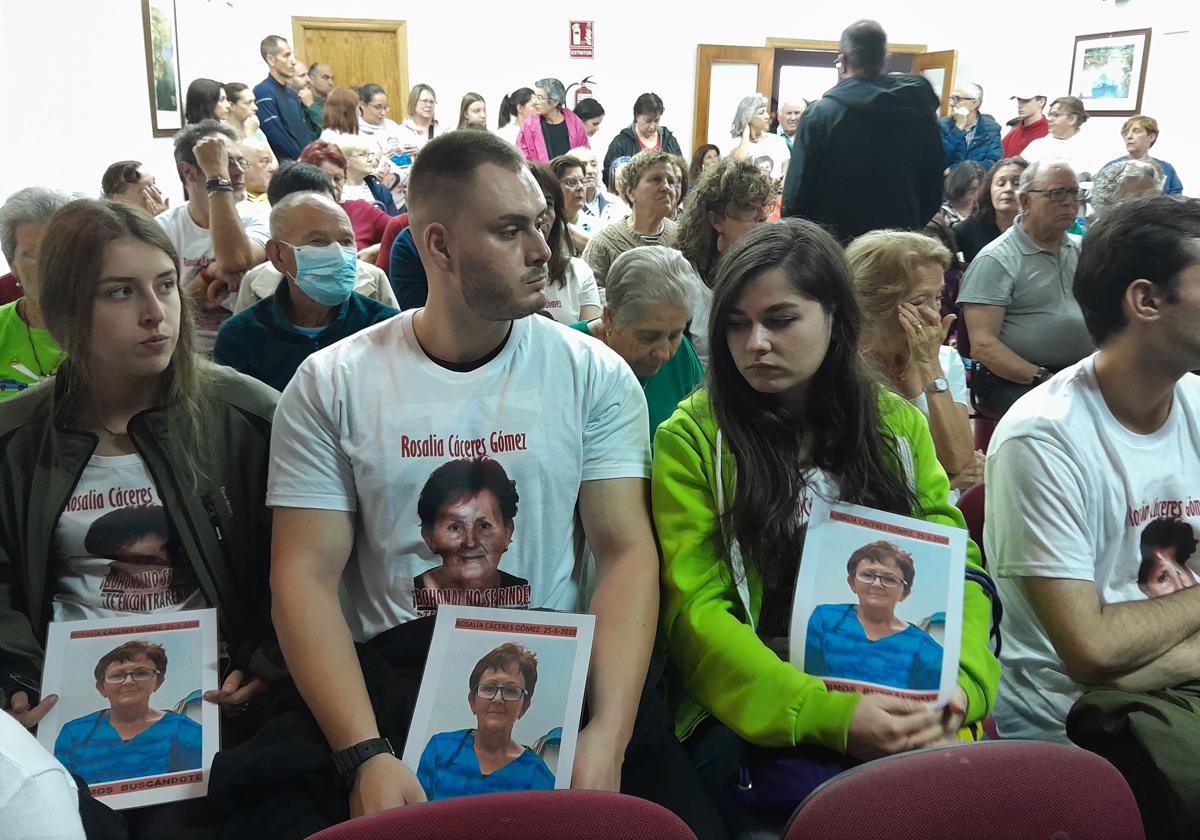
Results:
788 413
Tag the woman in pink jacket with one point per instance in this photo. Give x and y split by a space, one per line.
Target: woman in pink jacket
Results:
552 129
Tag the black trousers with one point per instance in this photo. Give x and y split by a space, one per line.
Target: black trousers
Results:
281 783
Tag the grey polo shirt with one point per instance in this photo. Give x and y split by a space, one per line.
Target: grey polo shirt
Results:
1042 322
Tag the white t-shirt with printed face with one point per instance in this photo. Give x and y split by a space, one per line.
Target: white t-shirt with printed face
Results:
770 153
195 247
113 550
579 289
1070 494
367 424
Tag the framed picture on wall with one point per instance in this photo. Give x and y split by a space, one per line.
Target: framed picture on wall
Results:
162 66
1108 71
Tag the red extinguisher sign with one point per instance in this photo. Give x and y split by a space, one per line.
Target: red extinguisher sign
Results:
582 42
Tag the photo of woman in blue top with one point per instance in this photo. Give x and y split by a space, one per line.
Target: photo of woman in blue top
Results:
866 642
486 759
130 740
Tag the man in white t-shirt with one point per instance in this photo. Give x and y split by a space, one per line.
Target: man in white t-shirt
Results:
1081 469
536 430
217 233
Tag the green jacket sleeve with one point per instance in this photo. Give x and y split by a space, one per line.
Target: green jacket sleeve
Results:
978 669
724 666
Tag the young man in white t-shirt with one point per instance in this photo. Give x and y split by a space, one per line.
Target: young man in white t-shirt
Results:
217 233
1082 466
370 430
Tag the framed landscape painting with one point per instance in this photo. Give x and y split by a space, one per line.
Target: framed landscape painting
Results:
162 66
1108 71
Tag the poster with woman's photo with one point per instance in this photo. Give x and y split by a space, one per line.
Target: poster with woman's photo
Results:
130 719
500 699
878 605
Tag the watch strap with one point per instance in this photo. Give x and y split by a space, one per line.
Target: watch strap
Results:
219 184
347 761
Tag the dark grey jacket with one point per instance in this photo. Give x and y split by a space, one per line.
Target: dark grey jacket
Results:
223 525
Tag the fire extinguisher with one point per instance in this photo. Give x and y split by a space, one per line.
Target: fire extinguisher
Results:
582 91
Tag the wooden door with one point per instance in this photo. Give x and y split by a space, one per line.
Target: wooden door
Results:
724 75
939 69
359 51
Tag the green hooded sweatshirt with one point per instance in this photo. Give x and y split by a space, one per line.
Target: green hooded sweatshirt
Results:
719 666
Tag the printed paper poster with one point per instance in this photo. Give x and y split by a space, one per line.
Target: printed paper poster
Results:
878 605
130 719
500 699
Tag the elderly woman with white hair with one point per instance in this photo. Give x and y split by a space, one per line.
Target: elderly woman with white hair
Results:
649 302
552 129
28 353
1121 181
753 140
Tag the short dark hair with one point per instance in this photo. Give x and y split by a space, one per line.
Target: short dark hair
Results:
864 46
295 176
369 91
118 528
462 478
130 651
201 98
1165 532
270 45
963 178
587 109
446 168
118 176
1150 238
234 89
504 658
881 550
647 103
984 211
187 138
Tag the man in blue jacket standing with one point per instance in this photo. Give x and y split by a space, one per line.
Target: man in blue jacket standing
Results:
280 113
868 155
968 134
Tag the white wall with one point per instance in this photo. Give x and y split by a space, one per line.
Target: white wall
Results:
77 97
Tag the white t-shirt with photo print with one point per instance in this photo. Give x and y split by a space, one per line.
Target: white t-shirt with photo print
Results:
114 553
364 423
578 289
1070 492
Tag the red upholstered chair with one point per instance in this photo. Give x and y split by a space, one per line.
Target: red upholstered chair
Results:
533 815
394 226
971 505
993 790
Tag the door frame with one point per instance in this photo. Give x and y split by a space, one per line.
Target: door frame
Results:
947 60
399 28
709 54
835 47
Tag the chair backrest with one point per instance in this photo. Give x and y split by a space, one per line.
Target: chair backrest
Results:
971 505
530 815
993 790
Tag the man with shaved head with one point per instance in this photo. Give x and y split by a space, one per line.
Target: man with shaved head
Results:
364 424
312 245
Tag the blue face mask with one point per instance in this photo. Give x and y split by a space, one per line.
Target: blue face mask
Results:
326 273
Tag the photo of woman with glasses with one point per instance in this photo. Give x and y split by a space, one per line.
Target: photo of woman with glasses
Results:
486 759
130 739
867 642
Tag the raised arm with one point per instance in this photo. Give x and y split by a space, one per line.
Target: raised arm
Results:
616 519
235 251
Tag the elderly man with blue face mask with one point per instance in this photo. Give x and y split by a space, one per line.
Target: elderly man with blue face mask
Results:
312 244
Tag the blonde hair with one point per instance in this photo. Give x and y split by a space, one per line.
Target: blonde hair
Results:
883 264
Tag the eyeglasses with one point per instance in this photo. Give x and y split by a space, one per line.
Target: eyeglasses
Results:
954 99
240 163
574 183
383 109
508 693
361 153
1056 114
1061 194
426 101
872 578
537 97
141 675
